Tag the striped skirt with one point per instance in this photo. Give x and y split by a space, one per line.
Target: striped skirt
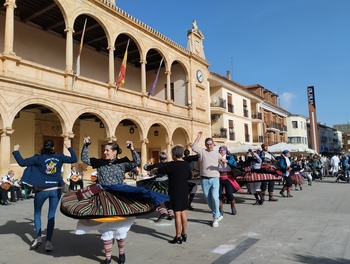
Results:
111 201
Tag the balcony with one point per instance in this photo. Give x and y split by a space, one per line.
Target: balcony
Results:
232 136
247 138
257 116
276 127
246 113
230 108
218 106
259 139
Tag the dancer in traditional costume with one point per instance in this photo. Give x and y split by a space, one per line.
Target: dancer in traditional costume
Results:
160 184
109 206
227 181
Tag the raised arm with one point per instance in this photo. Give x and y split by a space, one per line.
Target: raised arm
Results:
195 143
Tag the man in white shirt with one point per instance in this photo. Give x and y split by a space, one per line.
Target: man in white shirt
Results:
74 177
335 164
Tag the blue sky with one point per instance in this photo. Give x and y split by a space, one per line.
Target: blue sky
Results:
283 45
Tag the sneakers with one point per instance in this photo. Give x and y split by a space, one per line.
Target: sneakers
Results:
48 246
37 243
216 221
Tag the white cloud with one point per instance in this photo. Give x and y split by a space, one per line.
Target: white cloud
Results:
286 100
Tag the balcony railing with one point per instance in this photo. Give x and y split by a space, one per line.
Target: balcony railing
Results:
245 113
230 108
259 139
257 116
232 136
247 138
276 126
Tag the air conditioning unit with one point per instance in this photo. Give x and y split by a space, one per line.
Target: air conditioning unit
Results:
216 101
215 118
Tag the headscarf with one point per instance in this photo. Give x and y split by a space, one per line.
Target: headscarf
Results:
225 148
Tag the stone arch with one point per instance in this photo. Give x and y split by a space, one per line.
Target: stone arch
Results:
103 116
59 111
137 121
179 80
176 136
164 125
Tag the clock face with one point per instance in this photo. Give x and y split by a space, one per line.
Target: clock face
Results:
199 76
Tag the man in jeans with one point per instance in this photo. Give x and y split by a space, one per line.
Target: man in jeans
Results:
210 176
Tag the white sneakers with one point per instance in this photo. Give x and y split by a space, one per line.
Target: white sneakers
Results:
48 246
37 243
216 221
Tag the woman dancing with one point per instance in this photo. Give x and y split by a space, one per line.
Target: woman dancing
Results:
110 206
44 172
179 172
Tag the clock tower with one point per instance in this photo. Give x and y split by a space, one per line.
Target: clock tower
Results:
195 40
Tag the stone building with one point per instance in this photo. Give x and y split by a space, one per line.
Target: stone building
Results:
45 95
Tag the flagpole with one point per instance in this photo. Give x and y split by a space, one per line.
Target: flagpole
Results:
151 91
77 71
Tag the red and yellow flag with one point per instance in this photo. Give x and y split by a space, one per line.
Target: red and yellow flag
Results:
121 76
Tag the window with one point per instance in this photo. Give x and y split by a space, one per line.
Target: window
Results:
294 124
231 130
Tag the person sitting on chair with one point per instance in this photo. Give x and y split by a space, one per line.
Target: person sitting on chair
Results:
75 178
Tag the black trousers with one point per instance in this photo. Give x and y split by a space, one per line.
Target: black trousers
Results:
72 184
269 184
15 191
3 194
229 190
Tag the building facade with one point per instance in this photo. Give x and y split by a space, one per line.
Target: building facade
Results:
297 130
43 96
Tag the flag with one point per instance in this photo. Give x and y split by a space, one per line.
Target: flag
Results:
121 76
77 72
151 91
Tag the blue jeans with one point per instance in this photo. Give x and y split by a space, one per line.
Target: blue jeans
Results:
210 189
40 197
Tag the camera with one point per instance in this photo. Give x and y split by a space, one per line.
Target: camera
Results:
128 145
88 142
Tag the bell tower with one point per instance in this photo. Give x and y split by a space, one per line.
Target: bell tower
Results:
195 40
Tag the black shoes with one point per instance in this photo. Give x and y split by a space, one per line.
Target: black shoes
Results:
184 237
107 261
160 218
121 259
6 203
170 217
176 240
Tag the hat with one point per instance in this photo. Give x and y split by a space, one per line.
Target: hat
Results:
285 151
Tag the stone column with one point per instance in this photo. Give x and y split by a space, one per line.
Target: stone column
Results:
111 65
143 152
67 141
170 144
5 149
69 50
168 88
10 6
143 82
